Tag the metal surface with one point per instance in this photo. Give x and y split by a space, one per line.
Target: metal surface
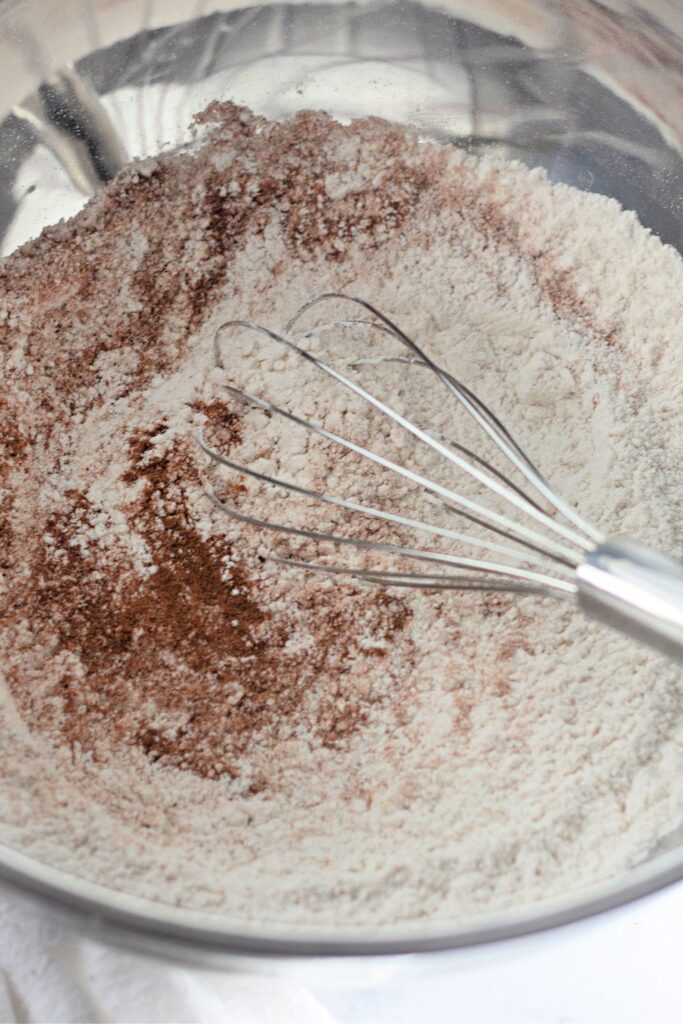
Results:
207 939
66 117
636 590
552 84
592 92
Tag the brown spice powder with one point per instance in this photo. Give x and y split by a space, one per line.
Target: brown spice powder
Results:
187 662
187 644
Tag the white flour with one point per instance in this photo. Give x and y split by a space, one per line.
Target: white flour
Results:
500 750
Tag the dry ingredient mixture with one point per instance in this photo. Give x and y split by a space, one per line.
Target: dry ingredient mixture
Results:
185 720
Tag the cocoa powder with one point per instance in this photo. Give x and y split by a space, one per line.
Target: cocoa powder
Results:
185 719
188 663
186 642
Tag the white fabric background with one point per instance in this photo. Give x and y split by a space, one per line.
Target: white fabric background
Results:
621 968
48 975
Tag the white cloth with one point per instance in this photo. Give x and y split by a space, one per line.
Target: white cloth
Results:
620 968
49 975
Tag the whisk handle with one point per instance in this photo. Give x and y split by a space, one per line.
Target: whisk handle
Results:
635 590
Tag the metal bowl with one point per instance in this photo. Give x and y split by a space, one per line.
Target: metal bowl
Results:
592 92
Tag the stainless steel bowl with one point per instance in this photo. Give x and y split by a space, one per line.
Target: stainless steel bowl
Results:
592 92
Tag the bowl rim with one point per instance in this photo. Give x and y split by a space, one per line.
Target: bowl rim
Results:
166 929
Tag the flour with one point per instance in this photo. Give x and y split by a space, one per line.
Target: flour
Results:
183 721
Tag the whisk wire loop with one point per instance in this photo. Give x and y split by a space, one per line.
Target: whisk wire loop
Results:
514 530
369 510
436 581
522 568
455 561
489 422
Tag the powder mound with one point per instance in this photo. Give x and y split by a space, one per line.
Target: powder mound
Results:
183 718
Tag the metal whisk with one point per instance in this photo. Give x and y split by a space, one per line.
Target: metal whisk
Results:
540 545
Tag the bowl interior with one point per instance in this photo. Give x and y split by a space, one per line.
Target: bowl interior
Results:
586 91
